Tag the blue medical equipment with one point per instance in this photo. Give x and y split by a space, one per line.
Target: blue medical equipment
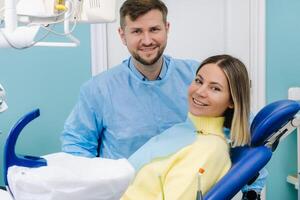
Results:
10 157
270 125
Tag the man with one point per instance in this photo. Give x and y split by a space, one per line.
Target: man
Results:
122 108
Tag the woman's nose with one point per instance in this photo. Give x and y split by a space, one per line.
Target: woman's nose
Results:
201 91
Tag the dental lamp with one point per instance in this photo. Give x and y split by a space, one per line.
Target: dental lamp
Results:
21 20
3 105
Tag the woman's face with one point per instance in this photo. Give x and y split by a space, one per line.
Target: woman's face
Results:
209 93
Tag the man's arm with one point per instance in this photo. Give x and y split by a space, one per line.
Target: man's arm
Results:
82 128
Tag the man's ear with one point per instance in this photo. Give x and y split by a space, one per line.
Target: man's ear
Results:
122 35
167 26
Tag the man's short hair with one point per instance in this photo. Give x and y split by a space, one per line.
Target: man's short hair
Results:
136 8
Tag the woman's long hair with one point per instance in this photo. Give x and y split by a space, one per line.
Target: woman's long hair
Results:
236 119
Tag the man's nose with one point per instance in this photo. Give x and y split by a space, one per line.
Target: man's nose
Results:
147 39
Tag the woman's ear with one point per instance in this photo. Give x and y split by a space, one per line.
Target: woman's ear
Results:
231 105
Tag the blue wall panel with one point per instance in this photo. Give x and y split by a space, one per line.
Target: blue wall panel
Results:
283 71
48 78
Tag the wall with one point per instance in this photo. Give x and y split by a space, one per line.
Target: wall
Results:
47 78
283 71
211 35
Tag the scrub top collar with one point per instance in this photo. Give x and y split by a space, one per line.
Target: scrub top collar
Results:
140 76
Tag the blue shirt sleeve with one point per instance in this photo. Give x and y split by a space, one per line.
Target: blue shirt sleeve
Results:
82 128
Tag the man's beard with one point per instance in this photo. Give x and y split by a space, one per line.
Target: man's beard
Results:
149 62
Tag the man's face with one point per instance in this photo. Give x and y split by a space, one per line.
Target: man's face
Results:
146 37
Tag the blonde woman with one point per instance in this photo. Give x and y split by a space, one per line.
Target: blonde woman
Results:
167 165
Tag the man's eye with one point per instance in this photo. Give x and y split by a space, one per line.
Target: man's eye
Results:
136 31
154 29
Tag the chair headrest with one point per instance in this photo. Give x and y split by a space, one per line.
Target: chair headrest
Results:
271 118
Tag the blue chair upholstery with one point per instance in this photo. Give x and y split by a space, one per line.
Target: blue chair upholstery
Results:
248 161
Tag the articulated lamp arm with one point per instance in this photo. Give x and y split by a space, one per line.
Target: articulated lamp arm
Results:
41 14
20 37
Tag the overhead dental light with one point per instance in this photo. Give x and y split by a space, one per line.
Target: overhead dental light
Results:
21 21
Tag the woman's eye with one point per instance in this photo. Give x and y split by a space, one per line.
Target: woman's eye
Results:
215 89
198 80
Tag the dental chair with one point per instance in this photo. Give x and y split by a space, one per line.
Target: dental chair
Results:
274 122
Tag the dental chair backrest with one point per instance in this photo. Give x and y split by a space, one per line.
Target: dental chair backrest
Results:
270 125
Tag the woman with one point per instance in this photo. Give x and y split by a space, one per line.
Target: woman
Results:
167 165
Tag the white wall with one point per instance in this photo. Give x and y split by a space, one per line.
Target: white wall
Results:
198 29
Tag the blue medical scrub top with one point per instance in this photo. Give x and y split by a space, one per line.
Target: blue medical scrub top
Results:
122 109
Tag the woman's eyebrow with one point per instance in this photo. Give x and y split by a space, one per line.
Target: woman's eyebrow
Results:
212 83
